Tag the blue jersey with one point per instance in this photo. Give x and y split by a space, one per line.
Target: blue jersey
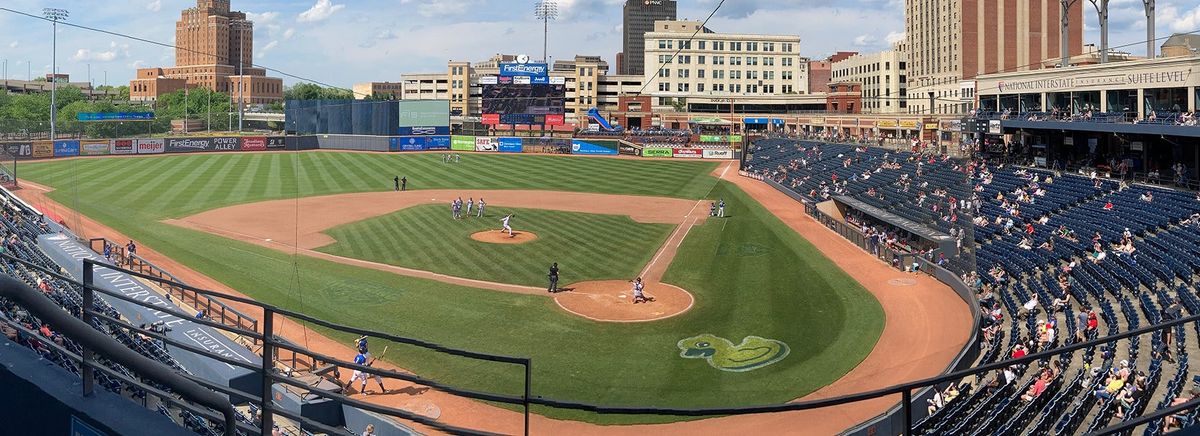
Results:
360 359
362 345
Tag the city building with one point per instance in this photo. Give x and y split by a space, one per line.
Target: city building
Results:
820 71
717 69
425 86
639 18
954 41
1181 44
380 90
882 76
214 50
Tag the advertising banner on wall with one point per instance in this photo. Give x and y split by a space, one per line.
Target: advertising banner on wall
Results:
188 145
462 143
418 143
689 153
509 145
424 131
254 143
483 143
596 147
123 146
151 146
657 152
491 119
276 142
63 148
43 149
226 144
418 113
555 119
718 153
19 150
724 139
93 147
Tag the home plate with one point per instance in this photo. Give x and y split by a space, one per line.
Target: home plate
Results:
268 239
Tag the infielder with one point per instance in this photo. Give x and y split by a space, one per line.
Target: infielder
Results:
481 206
506 226
470 203
361 359
638 296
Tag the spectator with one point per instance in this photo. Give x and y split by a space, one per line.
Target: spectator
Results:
1177 419
1112 385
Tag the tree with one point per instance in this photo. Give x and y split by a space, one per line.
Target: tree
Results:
311 91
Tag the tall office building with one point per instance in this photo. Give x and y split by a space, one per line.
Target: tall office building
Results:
952 41
640 16
214 48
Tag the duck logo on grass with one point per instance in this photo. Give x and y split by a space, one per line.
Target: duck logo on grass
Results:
753 353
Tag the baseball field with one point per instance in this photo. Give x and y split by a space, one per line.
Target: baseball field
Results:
767 318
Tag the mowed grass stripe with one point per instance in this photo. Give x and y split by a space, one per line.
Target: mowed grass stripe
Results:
426 237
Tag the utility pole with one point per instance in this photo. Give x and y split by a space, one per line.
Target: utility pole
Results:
545 10
54 15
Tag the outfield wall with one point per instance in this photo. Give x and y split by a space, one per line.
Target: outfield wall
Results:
29 150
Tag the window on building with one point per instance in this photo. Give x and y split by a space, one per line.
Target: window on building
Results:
719 45
768 46
736 87
769 61
751 60
700 44
735 74
787 75
699 87
719 87
751 46
664 86
700 60
682 73
735 46
700 74
787 62
787 89
752 75
768 75
682 87
751 89
735 60
718 74
718 60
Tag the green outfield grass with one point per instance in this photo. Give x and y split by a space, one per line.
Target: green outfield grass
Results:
586 246
750 274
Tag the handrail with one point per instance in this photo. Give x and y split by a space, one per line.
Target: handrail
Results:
93 340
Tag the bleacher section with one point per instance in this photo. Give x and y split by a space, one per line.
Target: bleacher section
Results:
1036 233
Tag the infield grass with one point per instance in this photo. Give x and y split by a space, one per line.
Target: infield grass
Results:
586 246
750 274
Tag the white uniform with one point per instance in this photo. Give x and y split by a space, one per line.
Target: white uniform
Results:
505 222
637 291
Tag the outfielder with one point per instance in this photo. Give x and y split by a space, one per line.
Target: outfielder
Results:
470 203
481 206
507 228
721 208
361 359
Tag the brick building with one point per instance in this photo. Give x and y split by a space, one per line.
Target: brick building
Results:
214 50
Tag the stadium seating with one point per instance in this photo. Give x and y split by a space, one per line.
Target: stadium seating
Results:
1125 291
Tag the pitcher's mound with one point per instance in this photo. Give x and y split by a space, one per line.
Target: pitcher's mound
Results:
612 301
498 237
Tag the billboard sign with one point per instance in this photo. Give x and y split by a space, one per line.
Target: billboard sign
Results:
418 143
276 142
491 119
419 113
93 147
656 152
509 145
151 146
114 116
188 145
555 119
123 146
725 139
226 144
688 153
591 147
462 143
254 143
66 148
517 69
424 131
19 150
43 149
486 144
722 153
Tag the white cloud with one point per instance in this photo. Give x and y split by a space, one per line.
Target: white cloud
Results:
864 40
287 34
154 6
894 37
84 54
263 18
263 51
136 64
1188 21
320 11
13 44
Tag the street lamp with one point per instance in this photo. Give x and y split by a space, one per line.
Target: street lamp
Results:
241 26
54 15
545 10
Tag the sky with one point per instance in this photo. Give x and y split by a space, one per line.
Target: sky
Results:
342 42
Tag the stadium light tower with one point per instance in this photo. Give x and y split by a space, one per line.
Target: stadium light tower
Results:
54 15
545 10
